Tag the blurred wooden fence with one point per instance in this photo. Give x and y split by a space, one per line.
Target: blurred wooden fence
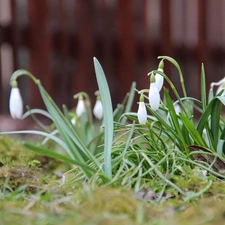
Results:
57 39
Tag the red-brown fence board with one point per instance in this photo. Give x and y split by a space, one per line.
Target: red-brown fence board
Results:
40 40
57 39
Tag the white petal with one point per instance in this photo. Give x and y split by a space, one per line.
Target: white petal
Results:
220 82
73 121
98 110
142 113
15 104
177 109
80 107
159 79
220 88
154 96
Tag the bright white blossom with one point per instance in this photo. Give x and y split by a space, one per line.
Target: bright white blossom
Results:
177 108
159 79
221 85
98 109
80 107
15 103
154 96
142 113
73 121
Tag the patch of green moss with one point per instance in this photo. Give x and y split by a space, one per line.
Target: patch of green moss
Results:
19 166
191 180
15 176
11 150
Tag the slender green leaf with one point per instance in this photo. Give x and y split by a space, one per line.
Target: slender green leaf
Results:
57 156
129 102
47 135
68 134
192 131
108 116
219 148
203 87
174 118
215 120
38 111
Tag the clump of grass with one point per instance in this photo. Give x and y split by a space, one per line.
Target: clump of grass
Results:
136 150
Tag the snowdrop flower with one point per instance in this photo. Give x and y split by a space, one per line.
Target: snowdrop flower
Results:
154 96
15 103
142 113
73 121
221 85
80 107
159 79
98 109
177 108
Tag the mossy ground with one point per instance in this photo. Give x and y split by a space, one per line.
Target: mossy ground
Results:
30 194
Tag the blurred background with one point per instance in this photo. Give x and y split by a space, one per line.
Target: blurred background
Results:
57 39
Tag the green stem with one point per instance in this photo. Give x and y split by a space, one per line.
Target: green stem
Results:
21 72
161 175
173 89
174 62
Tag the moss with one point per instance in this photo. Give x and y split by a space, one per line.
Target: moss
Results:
42 201
12 151
207 211
16 176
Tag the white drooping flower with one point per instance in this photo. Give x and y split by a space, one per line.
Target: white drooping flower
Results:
159 79
73 121
221 85
142 113
98 109
80 107
154 96
177 109
15 103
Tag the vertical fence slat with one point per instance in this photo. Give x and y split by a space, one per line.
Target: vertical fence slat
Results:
165 37
202 50
106 42
40 47
15 34
1 87
83 78
145 43
63 51
202 54
126 45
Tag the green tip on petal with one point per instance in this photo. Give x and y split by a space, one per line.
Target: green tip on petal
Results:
152 78
141 99
14 84
161 65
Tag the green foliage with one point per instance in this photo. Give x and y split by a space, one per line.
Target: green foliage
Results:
122 152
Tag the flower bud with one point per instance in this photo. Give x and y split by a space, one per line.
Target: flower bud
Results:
154 96
80 107
159 79
15 103
98 109
142 113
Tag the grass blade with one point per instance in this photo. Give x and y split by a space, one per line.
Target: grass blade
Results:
57 156
129 101
108 116
203 88
215 120
192 131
